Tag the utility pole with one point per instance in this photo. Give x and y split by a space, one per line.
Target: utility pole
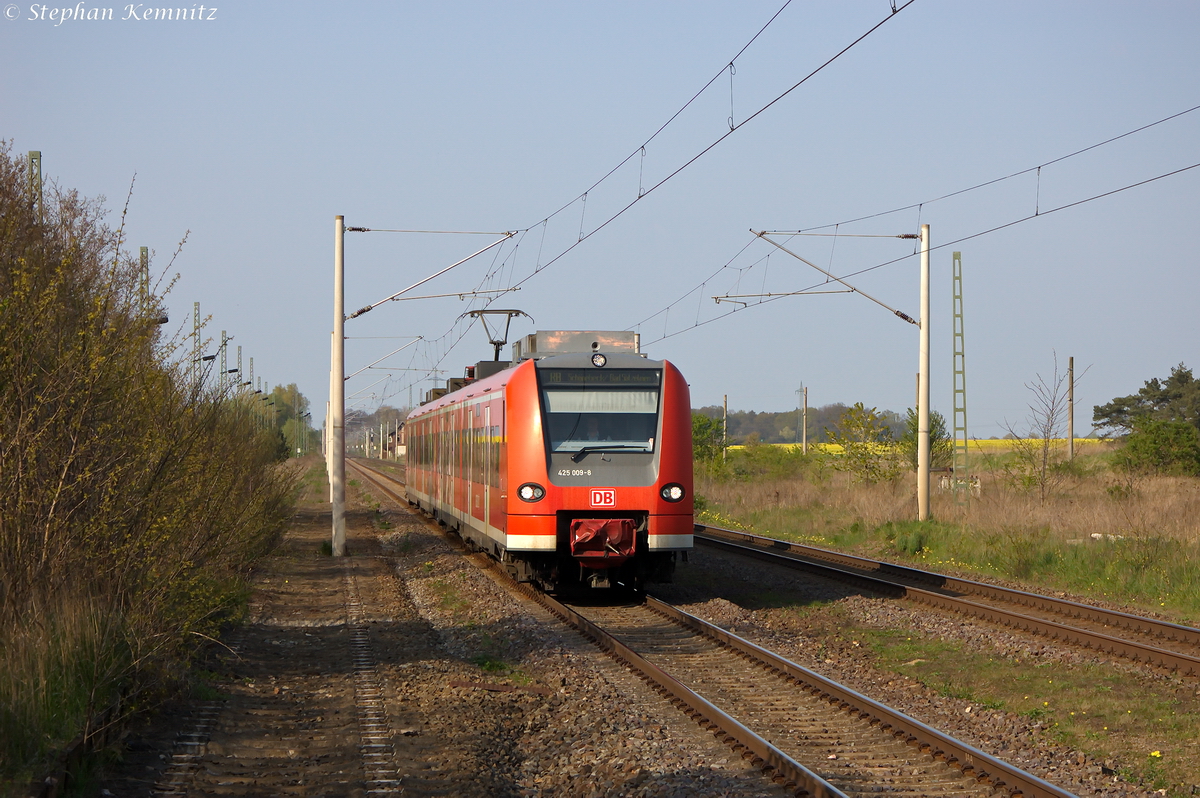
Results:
798 423
35 183
923 408
337 381
329 423
144 279
804 445
725 427
196 346
1070 408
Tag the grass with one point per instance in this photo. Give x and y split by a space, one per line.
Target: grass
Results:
1146 552
490 664
379 519
58 677
1101 534
449 598
1094 708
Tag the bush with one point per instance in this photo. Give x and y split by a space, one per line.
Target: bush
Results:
941 446
706 437
868 451
131 499
1162 447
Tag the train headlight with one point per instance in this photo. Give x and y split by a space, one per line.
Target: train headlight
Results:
531 492
598 360
673 492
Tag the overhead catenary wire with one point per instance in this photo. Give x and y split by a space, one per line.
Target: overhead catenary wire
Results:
585 236
955 242
539 266
367 308
642 148
833 276
433 232
920 208
1016 174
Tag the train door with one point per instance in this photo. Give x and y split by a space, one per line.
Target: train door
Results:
487 468
445 472
468 465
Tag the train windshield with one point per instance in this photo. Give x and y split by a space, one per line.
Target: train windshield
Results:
600 409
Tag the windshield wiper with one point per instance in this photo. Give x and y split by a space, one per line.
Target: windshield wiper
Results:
605 448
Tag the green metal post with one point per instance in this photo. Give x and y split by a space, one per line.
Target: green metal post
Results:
961 478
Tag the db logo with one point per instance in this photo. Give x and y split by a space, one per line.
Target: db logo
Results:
604 497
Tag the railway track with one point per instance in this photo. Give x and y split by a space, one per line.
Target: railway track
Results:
1118 634
804 729
306 715
807 732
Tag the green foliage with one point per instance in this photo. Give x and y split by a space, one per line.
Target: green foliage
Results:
781 427
1177 398
290 412
910 540
868 451
941 446
1162 447
132 499
759 461
706 437
490 664
281 449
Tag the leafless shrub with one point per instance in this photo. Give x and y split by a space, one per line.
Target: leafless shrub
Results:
1039 462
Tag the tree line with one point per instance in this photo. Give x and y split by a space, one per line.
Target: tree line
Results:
1159 426
748 426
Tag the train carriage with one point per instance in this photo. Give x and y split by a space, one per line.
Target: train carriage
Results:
570 467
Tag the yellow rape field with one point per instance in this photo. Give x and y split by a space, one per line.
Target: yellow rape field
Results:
981 445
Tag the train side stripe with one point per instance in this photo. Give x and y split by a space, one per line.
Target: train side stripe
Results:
670 541
532 542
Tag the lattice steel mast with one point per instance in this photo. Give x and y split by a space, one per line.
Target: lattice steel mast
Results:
961 478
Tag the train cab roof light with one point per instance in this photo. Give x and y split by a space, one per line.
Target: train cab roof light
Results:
598 360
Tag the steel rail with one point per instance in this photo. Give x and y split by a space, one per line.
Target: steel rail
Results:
971 761
946 592
781 767
778 765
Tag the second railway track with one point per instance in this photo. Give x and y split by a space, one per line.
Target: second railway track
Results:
809 732
1119 634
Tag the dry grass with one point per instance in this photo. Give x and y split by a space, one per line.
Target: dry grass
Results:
1099 532
1146 552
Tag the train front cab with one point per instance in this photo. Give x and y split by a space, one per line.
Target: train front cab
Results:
599 468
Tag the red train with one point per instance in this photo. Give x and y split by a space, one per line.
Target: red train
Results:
572 468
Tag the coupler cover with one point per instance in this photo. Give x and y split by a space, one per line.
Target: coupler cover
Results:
603 542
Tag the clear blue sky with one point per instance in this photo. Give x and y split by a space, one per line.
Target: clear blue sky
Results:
254 128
